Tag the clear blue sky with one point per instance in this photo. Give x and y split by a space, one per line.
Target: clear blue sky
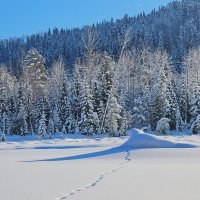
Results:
24 17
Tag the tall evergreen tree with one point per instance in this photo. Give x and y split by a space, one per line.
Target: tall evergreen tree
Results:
87 124
113 115
34 71
42 127
195 103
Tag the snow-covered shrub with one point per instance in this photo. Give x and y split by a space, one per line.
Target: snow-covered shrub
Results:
163 126
146 128
195 127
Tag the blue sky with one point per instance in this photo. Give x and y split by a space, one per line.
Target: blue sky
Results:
24 17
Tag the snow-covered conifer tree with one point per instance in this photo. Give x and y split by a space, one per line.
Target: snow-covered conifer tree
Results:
42 127
180 125
42 106
56 119
76 88
126 121
21 122
139 119
107 77
86 122
64 104
101 111
195 102
113 115
4 127
195 127
50 128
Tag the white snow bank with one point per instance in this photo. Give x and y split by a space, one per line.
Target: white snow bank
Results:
140 139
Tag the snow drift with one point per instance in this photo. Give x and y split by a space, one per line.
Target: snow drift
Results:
140 139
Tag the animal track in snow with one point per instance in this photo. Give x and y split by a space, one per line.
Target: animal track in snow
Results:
126 159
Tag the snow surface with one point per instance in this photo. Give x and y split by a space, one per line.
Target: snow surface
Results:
140 166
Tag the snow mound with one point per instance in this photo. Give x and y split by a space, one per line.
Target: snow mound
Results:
140 139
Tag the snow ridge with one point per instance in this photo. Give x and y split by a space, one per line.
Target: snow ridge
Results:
141 140
126 160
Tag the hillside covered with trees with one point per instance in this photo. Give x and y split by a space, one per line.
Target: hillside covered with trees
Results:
105 78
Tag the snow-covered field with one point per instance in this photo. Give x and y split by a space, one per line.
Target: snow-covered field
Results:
139 167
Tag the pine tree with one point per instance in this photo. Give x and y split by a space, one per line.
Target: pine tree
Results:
12 111
113 115
56 119
126 121
195 127
70 123
180 125
110 115
63 131
96 96
86 123
42 128
4 127
21 122
161 41
64 105
195 103
173 106
2 136
163 102
50 128
139 118
41 107
76 97
159 104
106 77
101 112
183 100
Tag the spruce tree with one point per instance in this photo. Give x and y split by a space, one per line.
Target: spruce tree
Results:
86 123
195 103
21 122
180 125
139 118
69 120
113 115
111 112
195 127
56 119
64 104
50 128
4 127
42 127
41 107
126 121
107 77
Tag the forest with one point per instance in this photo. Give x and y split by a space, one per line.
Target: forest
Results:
104 78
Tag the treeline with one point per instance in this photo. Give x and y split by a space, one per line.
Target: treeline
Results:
42 102
101 95
174 28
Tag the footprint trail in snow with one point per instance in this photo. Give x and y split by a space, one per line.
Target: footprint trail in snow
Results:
126 159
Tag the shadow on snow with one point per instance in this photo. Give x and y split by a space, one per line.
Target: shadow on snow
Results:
120 149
